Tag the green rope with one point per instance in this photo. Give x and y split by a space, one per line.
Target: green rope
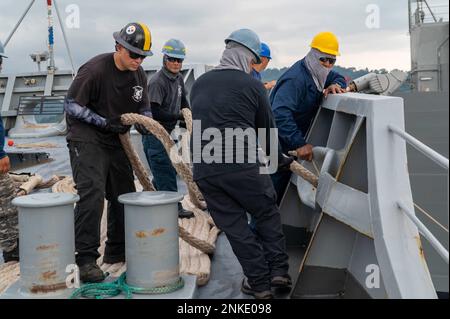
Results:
115 288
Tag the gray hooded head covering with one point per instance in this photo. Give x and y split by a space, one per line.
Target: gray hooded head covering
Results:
317 70
236 57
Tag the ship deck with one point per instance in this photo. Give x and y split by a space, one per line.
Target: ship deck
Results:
226 273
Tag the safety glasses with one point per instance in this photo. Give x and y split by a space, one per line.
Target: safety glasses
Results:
329 60
171 59
135 56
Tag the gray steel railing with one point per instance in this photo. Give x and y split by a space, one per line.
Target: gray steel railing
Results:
440 249
438 159
427 151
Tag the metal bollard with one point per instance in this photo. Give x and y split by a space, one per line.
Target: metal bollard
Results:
46 241
151 238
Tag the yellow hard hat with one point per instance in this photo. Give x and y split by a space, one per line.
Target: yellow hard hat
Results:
326 42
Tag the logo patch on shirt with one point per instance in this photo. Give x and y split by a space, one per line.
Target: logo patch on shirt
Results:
131 29
180 91
137 95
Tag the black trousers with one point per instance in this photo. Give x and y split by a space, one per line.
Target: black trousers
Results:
229 197
99 172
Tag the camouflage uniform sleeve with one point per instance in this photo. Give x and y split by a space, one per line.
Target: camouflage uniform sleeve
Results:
82 113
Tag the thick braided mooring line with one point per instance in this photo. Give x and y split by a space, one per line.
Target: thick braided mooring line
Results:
300 170
187 114
303 172
200 244
182 169
138 168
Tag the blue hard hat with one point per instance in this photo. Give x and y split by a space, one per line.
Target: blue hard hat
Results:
248 39
265 51
2 51
175 49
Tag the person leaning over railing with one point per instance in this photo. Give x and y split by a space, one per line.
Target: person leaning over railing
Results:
297 96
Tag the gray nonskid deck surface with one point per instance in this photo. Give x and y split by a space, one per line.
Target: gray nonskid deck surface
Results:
226 274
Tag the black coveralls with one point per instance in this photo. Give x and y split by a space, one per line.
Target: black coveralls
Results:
232 99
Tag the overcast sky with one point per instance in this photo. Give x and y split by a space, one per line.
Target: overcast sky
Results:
372 33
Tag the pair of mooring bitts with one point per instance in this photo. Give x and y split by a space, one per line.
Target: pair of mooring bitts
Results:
47 243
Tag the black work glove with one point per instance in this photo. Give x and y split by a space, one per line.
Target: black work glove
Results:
141 129
284 162
114 125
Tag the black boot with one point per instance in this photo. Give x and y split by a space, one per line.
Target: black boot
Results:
12 255
284 282
183 213
246 289
91 272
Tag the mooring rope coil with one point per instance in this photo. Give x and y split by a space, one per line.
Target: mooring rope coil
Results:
115 288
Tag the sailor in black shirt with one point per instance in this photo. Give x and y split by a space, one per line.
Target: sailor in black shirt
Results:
228 98
105 87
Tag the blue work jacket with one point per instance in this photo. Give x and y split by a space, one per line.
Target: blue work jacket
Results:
295 101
